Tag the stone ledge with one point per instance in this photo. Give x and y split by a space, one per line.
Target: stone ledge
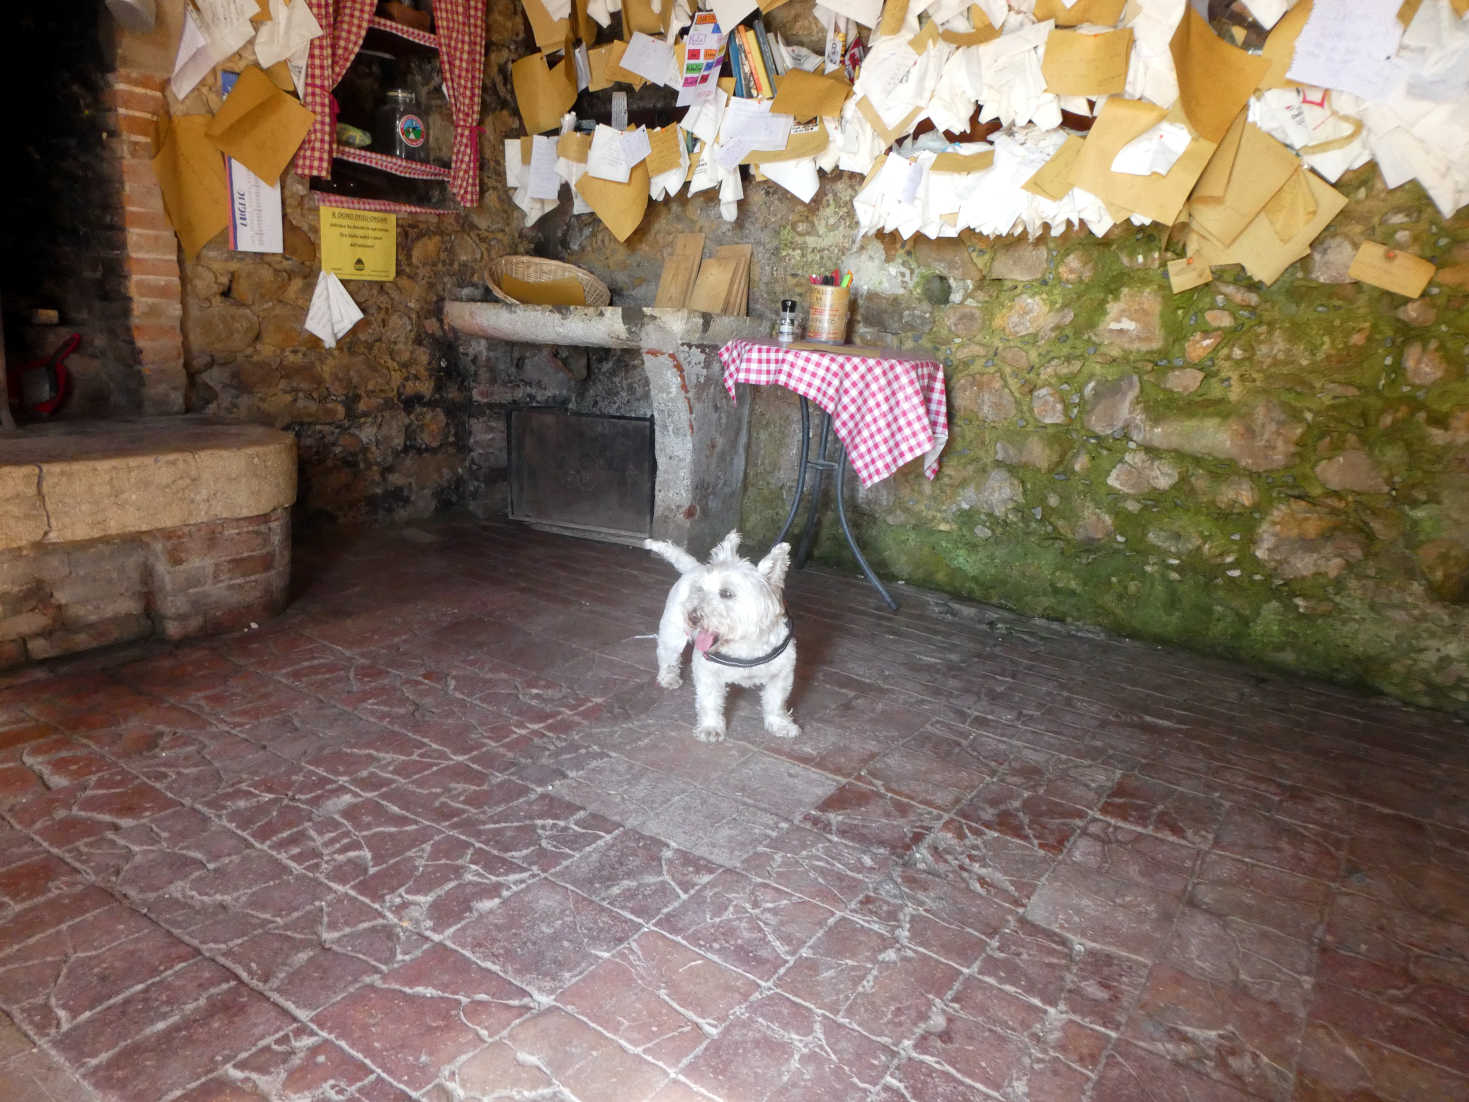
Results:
73 481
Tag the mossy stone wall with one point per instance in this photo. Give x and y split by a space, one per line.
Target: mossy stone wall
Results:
1279 473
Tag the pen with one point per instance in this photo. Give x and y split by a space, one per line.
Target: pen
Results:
847 280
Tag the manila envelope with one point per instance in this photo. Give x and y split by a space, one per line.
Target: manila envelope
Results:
584 26
1261 167
1104 13
573 146
1215 79
1077 64
550 34
874 120
809 95
1188 273
1058 175
808 139
891 20
603 62
1264 255
545 292
1391 269
543 94
963 162
1292 207
1214 180
1157 197
191 175
620 206
638 15
928 36
663 145
259 125
984 31
1280 45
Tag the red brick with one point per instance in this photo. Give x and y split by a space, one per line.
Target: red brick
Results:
133 147
137 124
153 266
141 196
126 98
139 175
214 542
148 309
138 78
160 351
149 331
152 243
164 288
247 566
136 218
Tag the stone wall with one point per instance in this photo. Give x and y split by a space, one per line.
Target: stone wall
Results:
1272 473
1279 474
387 422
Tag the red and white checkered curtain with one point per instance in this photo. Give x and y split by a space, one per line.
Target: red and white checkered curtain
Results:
460 26
314 156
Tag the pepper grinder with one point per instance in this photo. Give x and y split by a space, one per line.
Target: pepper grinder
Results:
789 327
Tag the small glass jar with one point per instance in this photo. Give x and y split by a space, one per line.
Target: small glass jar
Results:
400 129
788 328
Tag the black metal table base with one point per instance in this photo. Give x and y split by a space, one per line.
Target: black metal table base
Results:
819 466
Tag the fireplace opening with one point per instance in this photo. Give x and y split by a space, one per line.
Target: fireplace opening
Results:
582 474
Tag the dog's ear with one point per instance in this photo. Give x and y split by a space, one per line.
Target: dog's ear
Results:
775 564
726 549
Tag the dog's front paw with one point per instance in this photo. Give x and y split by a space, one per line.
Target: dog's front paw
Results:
669 679
709 734
783 728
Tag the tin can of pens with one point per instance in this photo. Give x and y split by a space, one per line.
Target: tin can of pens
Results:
826 319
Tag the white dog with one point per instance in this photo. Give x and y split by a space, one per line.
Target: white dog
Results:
733 612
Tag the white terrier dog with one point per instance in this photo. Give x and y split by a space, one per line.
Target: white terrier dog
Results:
735 606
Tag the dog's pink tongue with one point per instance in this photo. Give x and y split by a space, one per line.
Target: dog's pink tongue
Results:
704 640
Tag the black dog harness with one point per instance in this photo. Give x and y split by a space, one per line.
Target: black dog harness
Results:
746 663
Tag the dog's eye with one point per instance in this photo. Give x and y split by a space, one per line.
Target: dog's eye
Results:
726 593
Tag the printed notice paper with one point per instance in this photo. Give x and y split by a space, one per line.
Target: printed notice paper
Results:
255 204
359 244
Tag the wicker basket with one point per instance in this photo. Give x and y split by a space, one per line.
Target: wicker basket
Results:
536 269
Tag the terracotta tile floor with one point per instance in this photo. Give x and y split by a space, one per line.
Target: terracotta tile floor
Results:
436 833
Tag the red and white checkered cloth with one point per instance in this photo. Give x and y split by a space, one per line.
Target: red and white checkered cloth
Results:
885 410
461 41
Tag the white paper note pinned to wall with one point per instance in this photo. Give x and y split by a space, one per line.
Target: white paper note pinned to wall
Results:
607 158
649 57
332 312
1349 44
544 181
635 146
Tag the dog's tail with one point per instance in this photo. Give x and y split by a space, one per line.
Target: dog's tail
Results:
675 554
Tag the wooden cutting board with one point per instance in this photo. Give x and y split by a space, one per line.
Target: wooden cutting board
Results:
711 288
679 271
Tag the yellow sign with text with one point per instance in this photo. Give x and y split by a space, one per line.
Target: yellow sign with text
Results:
359 244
